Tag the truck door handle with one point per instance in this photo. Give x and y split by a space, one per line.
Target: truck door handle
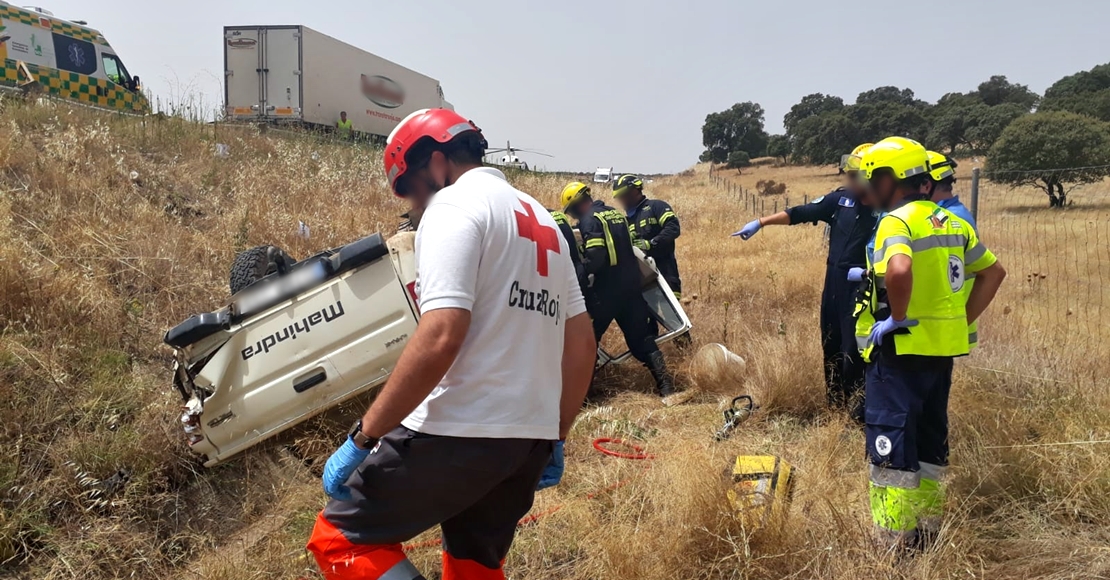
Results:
310 381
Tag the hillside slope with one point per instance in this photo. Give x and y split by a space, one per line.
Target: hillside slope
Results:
113 229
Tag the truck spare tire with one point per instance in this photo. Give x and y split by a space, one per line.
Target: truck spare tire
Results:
255 264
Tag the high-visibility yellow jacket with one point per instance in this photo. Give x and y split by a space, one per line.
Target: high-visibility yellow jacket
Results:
944 250
344 128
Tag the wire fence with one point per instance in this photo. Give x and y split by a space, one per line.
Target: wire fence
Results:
1055 248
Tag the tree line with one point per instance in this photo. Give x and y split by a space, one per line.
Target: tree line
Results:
1029 139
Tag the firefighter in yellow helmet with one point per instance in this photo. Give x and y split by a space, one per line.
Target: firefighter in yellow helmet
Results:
852 221
923 255
616 292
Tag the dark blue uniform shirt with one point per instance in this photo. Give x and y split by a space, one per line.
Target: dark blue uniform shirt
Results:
851 223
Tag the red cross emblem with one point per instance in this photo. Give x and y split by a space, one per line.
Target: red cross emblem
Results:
545 237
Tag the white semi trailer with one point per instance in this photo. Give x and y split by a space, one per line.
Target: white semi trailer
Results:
296 75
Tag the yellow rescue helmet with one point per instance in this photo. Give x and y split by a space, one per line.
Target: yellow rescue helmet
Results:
904 157
626 182
940 167
851 161
573 193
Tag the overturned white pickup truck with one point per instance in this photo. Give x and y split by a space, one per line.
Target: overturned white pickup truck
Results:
300 337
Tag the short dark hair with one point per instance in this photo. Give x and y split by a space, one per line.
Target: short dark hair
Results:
342 112
912 182
464 149
915 181
947 183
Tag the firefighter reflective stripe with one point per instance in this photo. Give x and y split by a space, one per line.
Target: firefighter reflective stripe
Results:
560 217
666 216
595 243
608 241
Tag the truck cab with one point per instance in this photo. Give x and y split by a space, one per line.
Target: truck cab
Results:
65 59
603 175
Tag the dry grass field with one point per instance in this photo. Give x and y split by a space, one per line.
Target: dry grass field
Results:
114 229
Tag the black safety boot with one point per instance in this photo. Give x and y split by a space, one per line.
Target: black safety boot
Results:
664 381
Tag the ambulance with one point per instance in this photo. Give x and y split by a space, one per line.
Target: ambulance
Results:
64 59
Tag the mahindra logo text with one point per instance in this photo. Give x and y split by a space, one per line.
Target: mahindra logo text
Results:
290 332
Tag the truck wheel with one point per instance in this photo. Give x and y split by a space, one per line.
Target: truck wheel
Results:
255 264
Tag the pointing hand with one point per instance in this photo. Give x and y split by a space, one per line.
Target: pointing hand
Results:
749 230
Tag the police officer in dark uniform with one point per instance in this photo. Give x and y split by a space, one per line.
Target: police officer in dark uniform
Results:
852 224
654 227
616 290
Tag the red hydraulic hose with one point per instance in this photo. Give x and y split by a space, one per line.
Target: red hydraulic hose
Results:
637 451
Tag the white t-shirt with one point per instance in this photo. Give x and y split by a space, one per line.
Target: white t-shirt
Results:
485 247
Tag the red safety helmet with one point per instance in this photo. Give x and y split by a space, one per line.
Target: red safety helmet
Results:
442 125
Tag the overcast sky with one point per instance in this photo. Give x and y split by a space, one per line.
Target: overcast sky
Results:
628 83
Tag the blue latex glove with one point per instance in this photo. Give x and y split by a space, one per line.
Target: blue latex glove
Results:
339 468
887 326
748 230
856 274
553 473
644 245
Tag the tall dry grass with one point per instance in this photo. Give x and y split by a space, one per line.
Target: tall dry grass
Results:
96 264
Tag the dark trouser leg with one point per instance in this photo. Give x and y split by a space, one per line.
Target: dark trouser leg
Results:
601 316
601 313
830 348
634 320
410 484
668 268
476 541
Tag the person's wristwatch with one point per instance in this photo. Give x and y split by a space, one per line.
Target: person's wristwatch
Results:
361 440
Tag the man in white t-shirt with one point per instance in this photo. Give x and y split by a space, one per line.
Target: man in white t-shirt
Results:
489 383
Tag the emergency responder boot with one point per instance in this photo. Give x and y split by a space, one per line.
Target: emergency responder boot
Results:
664 381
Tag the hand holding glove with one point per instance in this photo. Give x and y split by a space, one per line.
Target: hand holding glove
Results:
553 473
887 326
749 230
339 468
644 245
856 274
